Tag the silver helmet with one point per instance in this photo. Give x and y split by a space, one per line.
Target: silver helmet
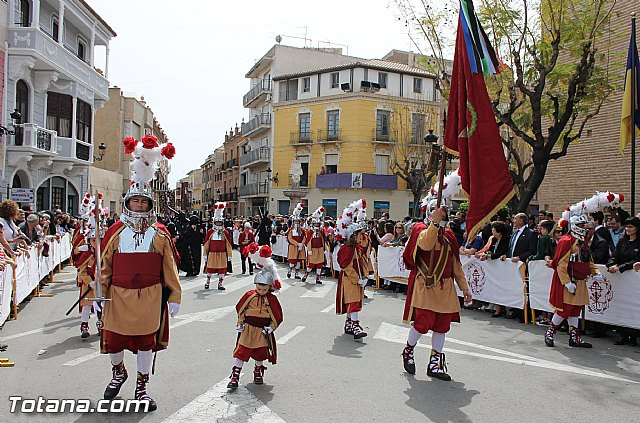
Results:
576 226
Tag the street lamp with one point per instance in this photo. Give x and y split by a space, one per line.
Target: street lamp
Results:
15 115
275 178
102 147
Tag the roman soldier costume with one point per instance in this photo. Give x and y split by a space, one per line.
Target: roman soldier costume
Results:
354 263
295 236
316 244
573 265
139 275
218 247
259 314
432 255
85 257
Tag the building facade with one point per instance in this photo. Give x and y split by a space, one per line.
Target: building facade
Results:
52 80
231 171
590 163
126 116
256 158
345 125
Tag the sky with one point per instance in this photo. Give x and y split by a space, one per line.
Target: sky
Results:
188 58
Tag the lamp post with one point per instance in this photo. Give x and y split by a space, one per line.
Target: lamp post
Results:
102 147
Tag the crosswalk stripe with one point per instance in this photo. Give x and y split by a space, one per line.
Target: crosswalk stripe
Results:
328 309
319 291
288 336
219 404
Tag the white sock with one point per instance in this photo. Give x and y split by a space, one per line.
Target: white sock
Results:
308 270
353 316
573 321
259 363
437 341
86 312
318 272
556 320
297 266
414 337
290 266
144 361
220 277
116 358
239 363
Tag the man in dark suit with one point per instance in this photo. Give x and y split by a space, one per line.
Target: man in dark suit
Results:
522 242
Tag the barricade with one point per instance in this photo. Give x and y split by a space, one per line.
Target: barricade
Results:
16 284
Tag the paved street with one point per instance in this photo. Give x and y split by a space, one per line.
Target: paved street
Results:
501 369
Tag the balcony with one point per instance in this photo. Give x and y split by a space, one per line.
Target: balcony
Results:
51 56
46 144
257 93
329 137
257 189
300 138
257 124
260 155
384 137
357 180
230 164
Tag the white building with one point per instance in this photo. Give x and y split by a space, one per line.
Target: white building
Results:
51 79
256 159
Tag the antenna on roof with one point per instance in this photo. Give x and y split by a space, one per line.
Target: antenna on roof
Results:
278 39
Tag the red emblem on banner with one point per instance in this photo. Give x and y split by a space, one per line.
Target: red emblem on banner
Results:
475 277
600 295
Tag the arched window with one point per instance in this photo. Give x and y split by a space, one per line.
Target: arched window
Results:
22 105
25 14
57 192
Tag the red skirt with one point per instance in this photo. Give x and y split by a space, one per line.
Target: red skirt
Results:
219 271
243 353
112 342
315 266
569 310
426 320
354 307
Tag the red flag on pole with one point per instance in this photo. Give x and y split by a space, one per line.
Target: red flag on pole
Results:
472 132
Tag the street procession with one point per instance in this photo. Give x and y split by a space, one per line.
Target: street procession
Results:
420 211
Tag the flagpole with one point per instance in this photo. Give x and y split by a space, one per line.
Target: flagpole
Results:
634 77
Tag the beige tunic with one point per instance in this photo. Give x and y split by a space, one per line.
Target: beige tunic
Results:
352 292
252 336
217 259
133 311
581 296
442 298
84 280
293 253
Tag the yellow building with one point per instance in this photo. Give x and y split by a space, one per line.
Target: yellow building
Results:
346 125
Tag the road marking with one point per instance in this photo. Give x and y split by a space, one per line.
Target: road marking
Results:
398 334
82 359
219 404
319 291
34 331
232 287
328 309
287 337
200 316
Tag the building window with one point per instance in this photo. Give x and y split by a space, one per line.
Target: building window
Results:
283 207
59 113
55 27
304 163
417 128
25 14
382 125
288 90
410 213
22 105
82 47
330 207
83 121
380 207
306 84
382 79
382 164
305 126
417 85
333 123
335 80
331 163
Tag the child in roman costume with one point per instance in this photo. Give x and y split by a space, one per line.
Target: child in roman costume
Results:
259 314
218 247
316 244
